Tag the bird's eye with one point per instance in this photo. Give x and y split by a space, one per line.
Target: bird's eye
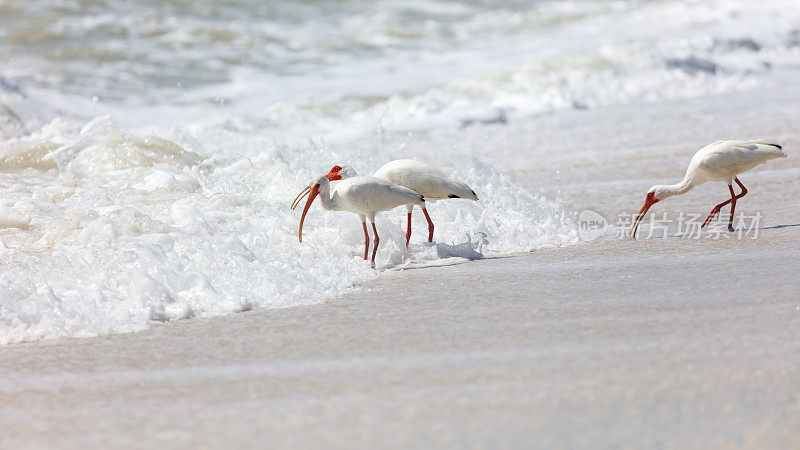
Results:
336 169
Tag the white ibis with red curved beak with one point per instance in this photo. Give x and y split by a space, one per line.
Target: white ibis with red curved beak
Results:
418 176
720 161
365 196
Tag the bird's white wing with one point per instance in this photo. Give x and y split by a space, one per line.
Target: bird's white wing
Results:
425 179
370 194
730 158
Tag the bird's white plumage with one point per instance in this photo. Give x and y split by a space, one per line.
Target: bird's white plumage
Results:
369 195
720 161
365 196
425 179
418 176
723 160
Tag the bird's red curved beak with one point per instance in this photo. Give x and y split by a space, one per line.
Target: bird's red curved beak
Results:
648 202
332 176
300 196
313 192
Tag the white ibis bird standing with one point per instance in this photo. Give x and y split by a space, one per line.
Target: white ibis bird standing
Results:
720 161
418 176
365 196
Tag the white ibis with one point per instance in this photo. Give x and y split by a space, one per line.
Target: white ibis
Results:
365 196
419 177
720 161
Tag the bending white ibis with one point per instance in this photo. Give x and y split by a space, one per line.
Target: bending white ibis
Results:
720 161
419 177
365 196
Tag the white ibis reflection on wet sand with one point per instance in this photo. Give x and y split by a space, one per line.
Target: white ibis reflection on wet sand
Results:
418 176
720 161
365 196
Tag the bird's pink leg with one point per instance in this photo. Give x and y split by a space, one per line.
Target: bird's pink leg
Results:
377 241
430 224
733 208
366 240
408 230
733 199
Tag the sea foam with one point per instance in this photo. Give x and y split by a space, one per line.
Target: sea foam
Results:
179 206
113 229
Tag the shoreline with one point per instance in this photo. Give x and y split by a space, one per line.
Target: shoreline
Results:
661 343
679 365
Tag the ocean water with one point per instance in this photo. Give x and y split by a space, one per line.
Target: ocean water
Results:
150 151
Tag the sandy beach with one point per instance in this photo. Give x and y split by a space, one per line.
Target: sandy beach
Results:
667 349
154 292
660 343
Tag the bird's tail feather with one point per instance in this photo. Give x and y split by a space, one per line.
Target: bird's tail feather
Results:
460 189
767 142
777 148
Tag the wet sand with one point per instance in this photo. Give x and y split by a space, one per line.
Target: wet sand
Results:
675 343
609 344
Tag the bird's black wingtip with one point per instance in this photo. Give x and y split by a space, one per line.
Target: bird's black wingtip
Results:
422 198
453 196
